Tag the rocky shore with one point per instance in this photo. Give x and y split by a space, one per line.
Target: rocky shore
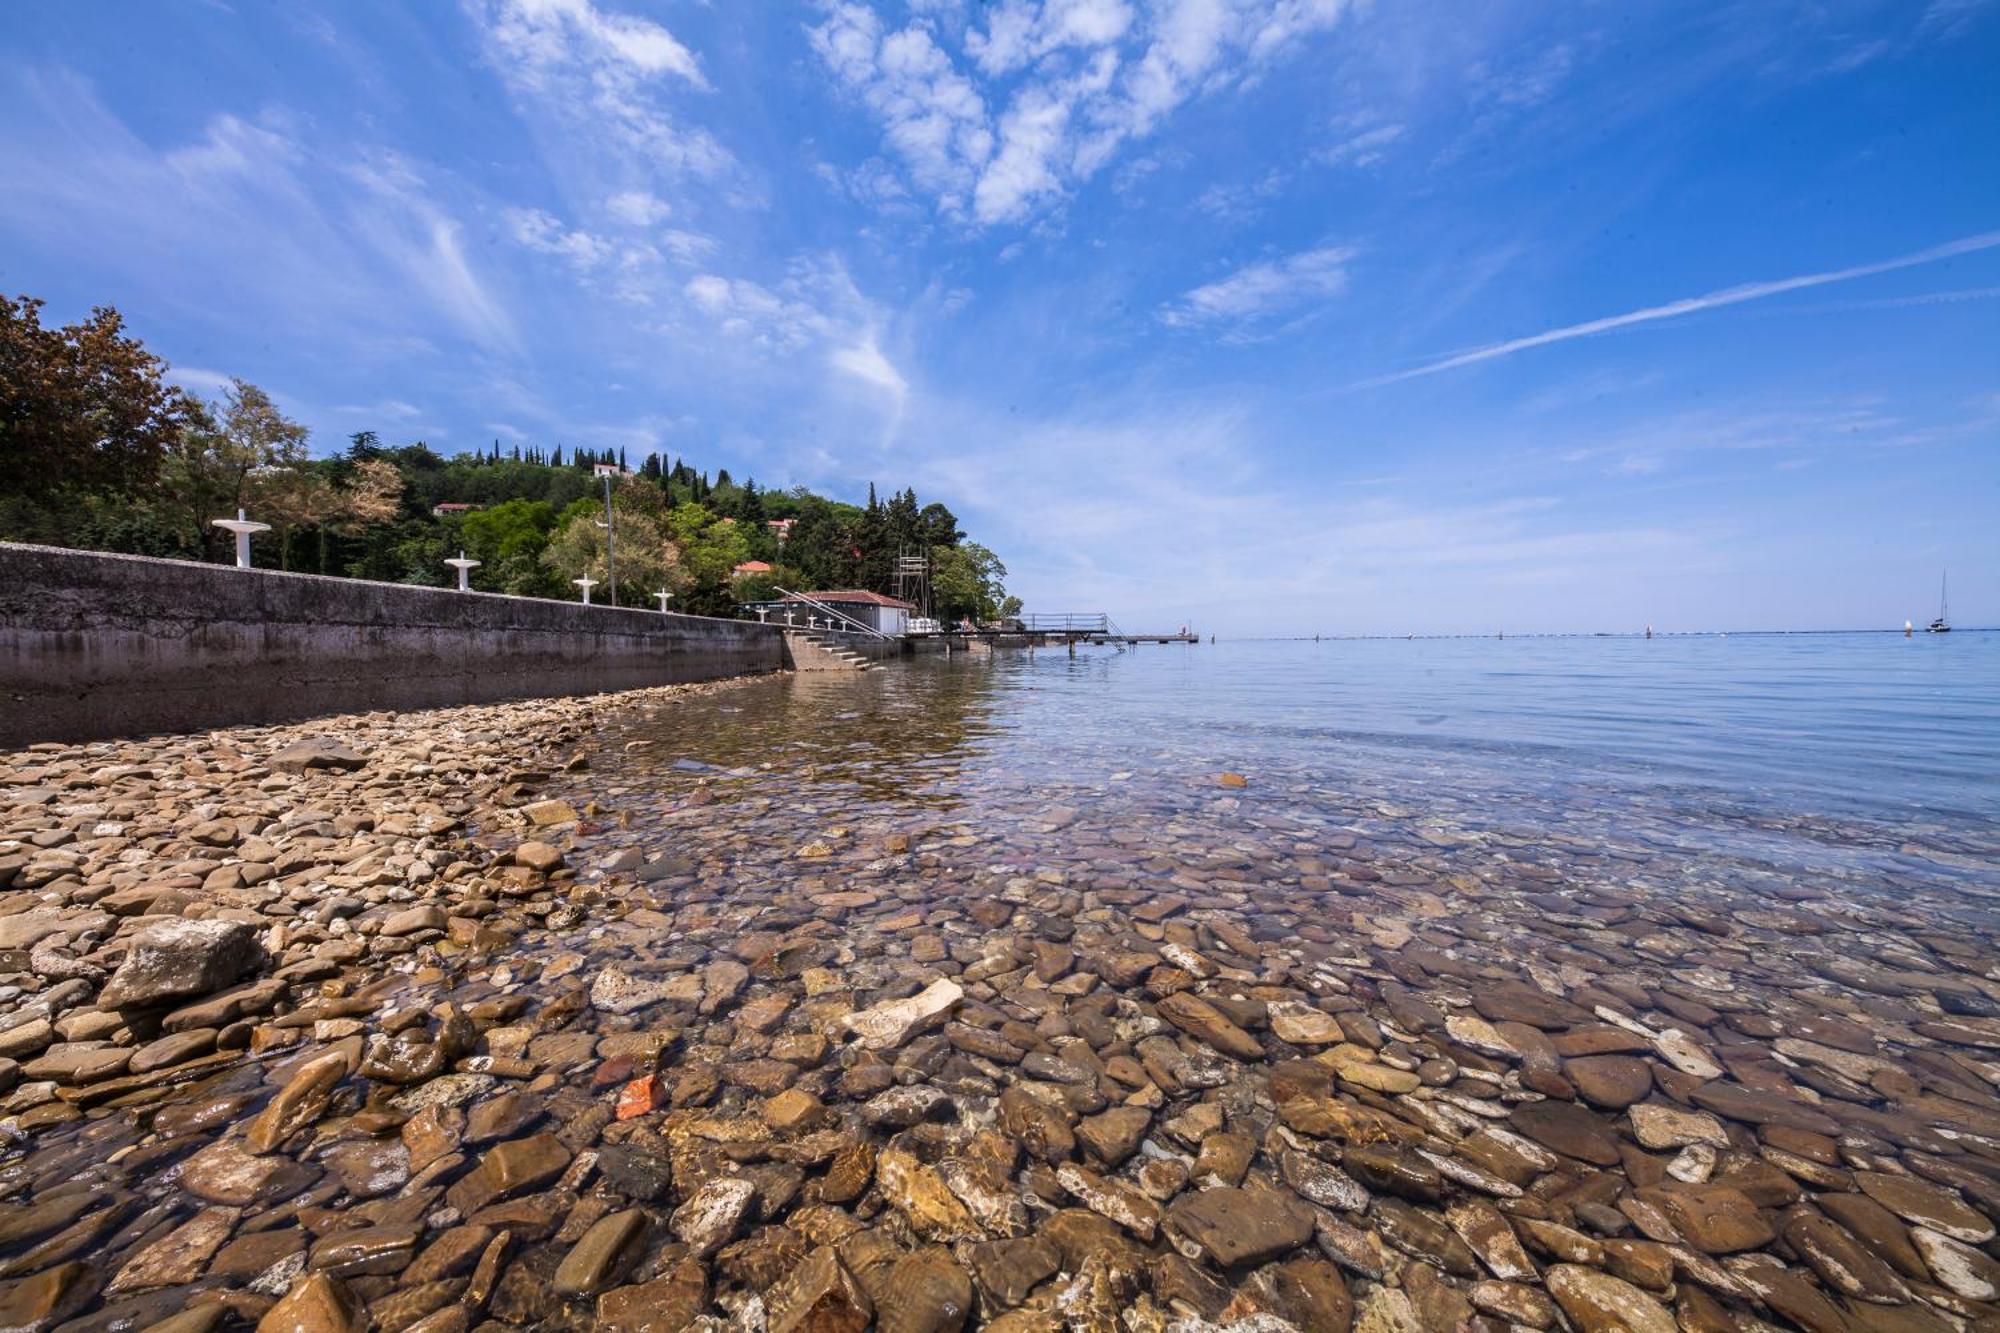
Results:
464 1020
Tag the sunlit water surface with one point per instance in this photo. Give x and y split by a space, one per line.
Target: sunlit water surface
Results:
1868 758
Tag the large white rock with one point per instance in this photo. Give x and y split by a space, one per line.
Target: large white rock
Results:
178 960
887 1026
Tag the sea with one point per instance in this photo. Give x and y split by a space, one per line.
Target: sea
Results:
1865 760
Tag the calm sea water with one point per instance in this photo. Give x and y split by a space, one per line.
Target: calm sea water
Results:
1869 759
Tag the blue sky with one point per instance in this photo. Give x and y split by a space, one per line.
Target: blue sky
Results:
1272 315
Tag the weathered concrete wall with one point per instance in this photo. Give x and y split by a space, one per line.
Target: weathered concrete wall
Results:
95 646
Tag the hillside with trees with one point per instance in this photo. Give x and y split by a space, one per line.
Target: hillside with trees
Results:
100 450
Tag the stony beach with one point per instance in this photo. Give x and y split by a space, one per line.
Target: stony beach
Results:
537 1016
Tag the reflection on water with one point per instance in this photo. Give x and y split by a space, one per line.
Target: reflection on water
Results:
1865 758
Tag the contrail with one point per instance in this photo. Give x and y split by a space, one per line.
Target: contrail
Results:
1749 291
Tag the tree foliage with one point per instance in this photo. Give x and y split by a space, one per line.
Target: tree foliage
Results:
98 450
83 407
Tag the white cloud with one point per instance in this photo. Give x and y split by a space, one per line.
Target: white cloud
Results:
541 232
1364 148
1749 291
548 34
1073 81
599 79
932 116
1264 288
638 208
1019 32
865 361
633 271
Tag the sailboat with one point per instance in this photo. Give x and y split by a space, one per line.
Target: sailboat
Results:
1940 625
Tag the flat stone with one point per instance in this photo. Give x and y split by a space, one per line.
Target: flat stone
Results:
615 991
413 920
1303 1025
1113 1136
1007 1270
316 1303
1610 1081
41 1300
590 1264
1111 1199
317 752
1205 1023
509 1170
820 1296
1842 1262
302 1100
1957 1267
1600 1303
1322 1183
180 959
932 1294
1239 1226
1486 1233
920 1194
539 856
173 1049
1568 1129
75 1063
1659 1126
1926 1205
227 1172
665 1305
180 1256
1715 1219
713 1214
889 1026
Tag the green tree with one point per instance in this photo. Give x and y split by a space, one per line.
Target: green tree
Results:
967 581
509 539
647 558
208 473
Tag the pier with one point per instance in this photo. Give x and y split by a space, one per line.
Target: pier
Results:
1071 628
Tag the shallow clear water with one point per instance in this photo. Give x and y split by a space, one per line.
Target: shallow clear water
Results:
1866 757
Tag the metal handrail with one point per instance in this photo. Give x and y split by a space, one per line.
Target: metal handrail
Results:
1068 622
860 626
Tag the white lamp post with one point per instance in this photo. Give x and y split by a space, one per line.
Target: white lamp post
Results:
664 597
464 567
586 583
242 527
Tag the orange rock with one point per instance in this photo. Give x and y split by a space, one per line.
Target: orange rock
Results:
639 1097
1232 780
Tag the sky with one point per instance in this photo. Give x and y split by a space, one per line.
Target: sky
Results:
1264 316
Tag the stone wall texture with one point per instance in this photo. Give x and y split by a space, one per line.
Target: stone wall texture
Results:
95 646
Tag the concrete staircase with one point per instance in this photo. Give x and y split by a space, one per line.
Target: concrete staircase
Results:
809 651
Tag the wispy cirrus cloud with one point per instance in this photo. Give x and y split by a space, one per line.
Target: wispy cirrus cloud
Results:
1727 296
600 80
319 234
1268 287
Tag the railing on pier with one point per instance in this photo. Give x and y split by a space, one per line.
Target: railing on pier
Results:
853 625
1069 622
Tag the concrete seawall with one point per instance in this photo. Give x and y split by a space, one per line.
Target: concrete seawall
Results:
95 646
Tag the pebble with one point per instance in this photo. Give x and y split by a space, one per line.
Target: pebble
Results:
485 1017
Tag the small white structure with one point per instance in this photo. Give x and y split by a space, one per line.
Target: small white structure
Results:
242 527
664 597
884 615
464 568
586 583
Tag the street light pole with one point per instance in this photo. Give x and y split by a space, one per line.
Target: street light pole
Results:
610 538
